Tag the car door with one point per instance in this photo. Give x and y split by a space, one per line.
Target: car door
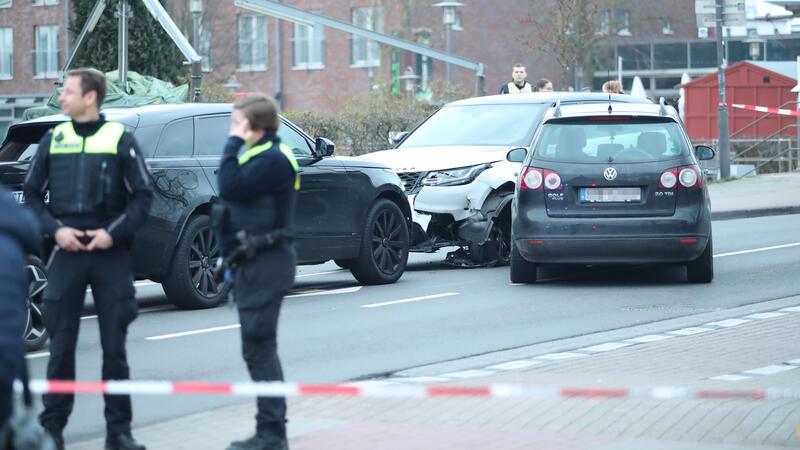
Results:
323 223
211 133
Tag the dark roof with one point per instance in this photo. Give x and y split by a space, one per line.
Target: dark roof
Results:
150 114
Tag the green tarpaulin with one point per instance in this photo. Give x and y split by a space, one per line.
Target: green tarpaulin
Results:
142 90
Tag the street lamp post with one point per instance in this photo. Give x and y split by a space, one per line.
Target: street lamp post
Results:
196 8
449 18
722 109
409 78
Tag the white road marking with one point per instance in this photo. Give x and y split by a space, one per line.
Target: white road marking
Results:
791 309
731 378
514 365
467 374
37 355
770 370
727 323
409 300
765 315
142 283
141 311
560 356
649 338
795 362
346 290
318 273
606 347
689 331
192 333
756 250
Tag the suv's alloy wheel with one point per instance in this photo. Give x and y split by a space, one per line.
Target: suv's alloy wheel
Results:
35 332
384 245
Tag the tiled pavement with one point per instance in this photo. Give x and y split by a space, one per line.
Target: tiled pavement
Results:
692 360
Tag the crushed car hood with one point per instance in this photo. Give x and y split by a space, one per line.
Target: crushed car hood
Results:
425 159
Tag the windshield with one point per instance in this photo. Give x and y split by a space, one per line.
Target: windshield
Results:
610 141
489 125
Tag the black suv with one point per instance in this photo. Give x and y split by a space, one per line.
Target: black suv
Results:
349 210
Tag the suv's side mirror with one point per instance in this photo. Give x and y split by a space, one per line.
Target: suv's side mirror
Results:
324 147
704 152
517 155
397 138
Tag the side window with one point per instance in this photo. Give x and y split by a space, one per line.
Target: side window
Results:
176 139
295 140
147 138
211 133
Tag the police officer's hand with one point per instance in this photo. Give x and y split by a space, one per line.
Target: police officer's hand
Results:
241 130
101 240
67 239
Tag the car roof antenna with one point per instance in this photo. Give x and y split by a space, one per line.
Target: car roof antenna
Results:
663 110
608 77
557 110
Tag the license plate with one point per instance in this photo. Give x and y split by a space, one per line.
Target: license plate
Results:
19 196
611 195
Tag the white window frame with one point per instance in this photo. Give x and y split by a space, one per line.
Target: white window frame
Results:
255 40
311 37
603 23
373 22
45 2
6 73
48 72
667 28
623 26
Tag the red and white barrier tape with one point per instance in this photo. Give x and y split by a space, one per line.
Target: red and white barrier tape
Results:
368 389
764 109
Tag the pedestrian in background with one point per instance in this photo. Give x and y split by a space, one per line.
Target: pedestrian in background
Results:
258 191
613 87
100 194
19 237
517 84
543 85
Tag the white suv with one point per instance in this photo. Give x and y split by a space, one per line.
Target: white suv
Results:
456 175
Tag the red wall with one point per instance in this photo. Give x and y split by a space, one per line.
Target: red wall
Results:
746 84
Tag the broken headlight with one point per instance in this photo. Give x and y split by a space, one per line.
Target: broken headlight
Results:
454 177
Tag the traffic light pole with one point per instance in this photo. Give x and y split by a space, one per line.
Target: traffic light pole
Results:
722 110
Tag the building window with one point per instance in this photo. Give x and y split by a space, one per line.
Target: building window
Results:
309 46
365 52
205 45
6 54
622 22
602 23
667 28
46 61
43 2
252 43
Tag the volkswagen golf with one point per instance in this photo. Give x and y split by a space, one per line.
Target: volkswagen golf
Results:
611 184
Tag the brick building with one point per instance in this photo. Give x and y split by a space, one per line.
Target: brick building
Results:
316 67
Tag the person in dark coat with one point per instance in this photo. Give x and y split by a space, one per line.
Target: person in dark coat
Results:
19 237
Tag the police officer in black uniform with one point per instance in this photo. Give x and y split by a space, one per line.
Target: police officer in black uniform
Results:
100 193
258 186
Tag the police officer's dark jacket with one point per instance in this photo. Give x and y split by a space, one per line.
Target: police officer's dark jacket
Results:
258 186
96 176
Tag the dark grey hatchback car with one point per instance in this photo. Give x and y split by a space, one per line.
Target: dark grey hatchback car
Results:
611 184
349 210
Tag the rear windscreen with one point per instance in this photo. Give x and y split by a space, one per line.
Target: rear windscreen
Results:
606 141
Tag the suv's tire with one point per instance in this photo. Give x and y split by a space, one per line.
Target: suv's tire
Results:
522 270
701 270
35 332
190 284
384 245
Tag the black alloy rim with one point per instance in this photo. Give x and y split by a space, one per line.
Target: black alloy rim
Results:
387 249
35 329
202 258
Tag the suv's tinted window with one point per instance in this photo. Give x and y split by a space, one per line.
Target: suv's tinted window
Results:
176 139
295 140
211 133
147 138
610 141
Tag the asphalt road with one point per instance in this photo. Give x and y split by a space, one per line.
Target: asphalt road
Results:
332 329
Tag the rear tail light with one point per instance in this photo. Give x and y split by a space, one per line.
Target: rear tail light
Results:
552 181
531 179
685 176
668 179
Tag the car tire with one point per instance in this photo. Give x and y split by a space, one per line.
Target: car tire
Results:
384 245
701 270
36 335
190 284
497 249
522 270
344 263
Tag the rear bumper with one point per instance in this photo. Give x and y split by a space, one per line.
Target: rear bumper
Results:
612 250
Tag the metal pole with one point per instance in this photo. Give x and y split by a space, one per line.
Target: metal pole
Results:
619 69
196 30
66 30
449 51
797 106
722 110
122 44
197 77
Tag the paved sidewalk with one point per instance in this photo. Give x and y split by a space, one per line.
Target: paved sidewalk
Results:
763 346
762 195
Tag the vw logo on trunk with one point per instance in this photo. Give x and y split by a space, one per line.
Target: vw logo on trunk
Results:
610 174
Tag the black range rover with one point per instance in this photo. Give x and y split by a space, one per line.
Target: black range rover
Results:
349 210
